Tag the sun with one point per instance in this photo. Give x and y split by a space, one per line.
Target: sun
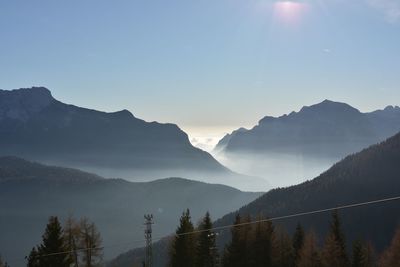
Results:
289 11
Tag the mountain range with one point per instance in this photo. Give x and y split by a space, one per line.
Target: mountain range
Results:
371 174
325 129
35 126
31 192
293 148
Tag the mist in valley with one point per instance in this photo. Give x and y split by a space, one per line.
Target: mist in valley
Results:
279 169
238 179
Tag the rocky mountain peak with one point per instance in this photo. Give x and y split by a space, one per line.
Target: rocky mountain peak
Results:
20 104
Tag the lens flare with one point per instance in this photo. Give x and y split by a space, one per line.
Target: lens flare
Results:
289 11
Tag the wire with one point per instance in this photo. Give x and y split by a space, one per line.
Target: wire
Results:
237 225
294 215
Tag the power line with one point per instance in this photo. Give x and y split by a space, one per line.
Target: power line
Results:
295 215
348 206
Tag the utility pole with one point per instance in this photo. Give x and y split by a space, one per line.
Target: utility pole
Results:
147 234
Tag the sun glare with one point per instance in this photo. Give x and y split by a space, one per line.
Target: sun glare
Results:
289 11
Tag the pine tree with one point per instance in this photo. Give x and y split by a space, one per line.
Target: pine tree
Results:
182 253
90 240
358 255
261 243
233 256
298 241
309 255
391 256
334 252
363 255
53 242
206 250
246 237
33 259
283 253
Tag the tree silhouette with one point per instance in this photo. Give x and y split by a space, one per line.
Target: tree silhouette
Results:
283 253
206 250
261 243
309 254
391 256
234 254
334 251
183 247
298 241
33 259
90 243
72 240
362 255
52 243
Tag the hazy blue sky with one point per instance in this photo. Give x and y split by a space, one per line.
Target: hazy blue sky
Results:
206 64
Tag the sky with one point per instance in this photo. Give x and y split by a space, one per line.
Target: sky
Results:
209 66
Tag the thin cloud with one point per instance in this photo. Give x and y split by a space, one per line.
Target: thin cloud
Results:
390 8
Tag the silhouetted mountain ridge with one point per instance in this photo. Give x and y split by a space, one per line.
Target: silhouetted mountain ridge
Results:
22 104
368 175
13 168
31 192
35 126
327 129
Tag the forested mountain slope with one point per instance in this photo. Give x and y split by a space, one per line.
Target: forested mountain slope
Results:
31 192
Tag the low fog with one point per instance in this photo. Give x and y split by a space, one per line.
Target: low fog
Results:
238 180
279 169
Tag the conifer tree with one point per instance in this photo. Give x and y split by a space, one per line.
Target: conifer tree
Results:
298 241
53 242
334 251
309 254
246 237
358 254
233 256
33 259
182 253
283 253
363 255
391 256
261 243
206 250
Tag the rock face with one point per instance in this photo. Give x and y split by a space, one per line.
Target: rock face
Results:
22 104
325 129
36 126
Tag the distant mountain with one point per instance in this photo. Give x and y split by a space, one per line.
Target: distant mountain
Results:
31 192
372 174
329 129
35 126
